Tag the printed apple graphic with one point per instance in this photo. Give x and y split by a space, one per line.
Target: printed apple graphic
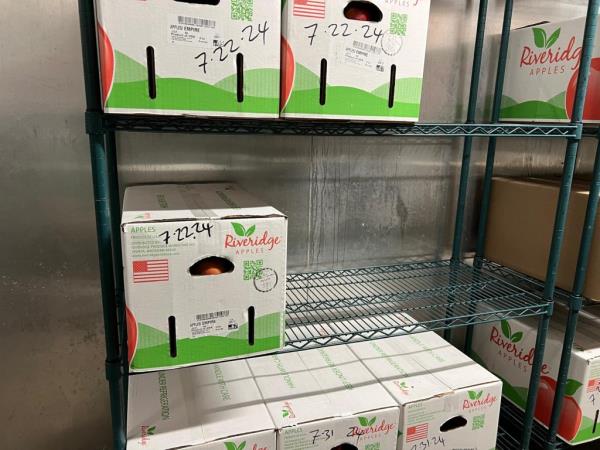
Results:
107 62
570 415
288 71
131 333
591 110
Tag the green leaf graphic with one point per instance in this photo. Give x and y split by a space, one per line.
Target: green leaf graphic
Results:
230 446
479 394
285 413
506 331
241 446
372 421
239 229
250 231
571 387
472 395
539 37
516 337
553 38
363 421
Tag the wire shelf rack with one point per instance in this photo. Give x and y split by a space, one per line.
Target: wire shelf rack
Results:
171 124
340 306
511 420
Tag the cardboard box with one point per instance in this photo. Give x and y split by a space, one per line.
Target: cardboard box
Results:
507 349
171 234
325 399
519 230
212 407
541 73
446 400
187 58
334 67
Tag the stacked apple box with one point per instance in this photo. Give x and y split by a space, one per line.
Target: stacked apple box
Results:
201 58
356 60
446 400
210 407
204 269
542 70
507 349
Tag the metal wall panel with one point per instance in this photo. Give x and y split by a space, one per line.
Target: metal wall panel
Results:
349 201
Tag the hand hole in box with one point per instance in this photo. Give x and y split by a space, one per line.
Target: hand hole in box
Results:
200 2
363 11
345 446
453 424
213 265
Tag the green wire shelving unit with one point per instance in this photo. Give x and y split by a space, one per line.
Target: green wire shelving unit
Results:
338 306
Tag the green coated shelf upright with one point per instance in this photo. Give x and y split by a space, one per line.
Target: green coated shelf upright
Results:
372 302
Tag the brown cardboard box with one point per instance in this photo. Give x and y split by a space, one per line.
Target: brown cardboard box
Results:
519 230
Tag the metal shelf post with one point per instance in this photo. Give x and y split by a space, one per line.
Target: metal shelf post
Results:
101 183
575 299
561 216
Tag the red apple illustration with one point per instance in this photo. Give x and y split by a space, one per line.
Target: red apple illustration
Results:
288 71
131 333
591 110
545 399
107 63
570 419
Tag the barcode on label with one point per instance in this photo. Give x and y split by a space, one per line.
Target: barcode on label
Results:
212 315
366 47
196 21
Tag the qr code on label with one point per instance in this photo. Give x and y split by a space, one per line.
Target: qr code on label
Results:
478 422
252 269
242 9
374 446
398 24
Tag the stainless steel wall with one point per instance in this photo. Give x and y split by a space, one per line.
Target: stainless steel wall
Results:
350 201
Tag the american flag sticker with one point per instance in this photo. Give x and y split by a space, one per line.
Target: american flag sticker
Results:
309 8
151 270
417 432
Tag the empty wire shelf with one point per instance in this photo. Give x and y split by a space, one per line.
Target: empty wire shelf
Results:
340 306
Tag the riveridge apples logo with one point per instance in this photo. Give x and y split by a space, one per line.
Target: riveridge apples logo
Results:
508 348
476 400
545 59
233 446
287 412
147 431
246 242
368 427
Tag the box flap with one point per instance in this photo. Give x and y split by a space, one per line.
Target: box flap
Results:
317 384
194 405
158 202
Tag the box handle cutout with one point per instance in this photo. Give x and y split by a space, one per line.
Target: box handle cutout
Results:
392 86
345 446
453 424
363 11
595 421
172 337
251 315
323 82
239 63
151 72
213 265
200 2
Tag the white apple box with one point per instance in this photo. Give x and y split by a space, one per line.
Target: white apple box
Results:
211 407
324 398
176 317
541 73
335 67
446 400
507 348
212 58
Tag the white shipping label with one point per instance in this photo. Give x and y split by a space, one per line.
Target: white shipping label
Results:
191 31
216 323
361 54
